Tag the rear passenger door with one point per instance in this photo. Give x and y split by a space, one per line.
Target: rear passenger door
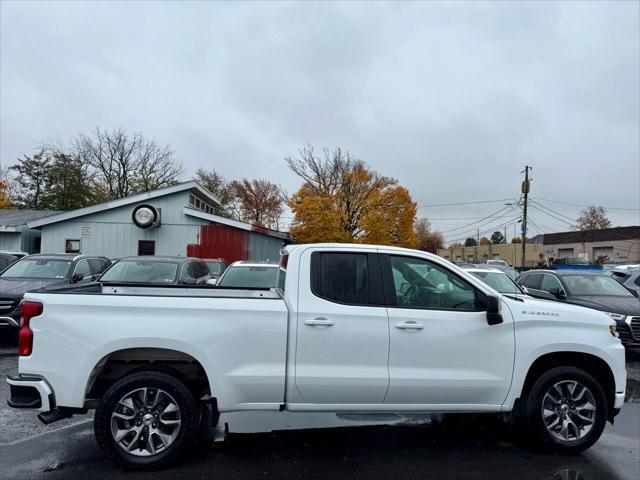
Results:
342 341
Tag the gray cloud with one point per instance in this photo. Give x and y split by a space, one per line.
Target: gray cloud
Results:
450 98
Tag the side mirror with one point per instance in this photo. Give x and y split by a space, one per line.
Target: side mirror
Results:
212 281
76 277
493 310
524 289
558 293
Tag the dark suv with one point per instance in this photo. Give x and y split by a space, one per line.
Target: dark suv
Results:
592 290
43 271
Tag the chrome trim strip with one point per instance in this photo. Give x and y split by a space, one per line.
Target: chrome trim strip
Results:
9 321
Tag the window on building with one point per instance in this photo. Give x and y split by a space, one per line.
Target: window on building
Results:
192 200
72 246
146 247
565 252
602 253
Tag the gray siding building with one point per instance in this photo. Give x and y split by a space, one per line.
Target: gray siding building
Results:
184 225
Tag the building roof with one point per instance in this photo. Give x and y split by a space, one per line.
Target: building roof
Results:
141 197
601 235
14 220
236 224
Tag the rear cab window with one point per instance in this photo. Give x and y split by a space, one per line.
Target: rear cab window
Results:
350 278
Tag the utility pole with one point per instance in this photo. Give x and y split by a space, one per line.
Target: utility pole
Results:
525 193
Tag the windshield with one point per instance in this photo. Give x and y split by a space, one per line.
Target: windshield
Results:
500 282
594 285
38 268
251 277
215 268
141 272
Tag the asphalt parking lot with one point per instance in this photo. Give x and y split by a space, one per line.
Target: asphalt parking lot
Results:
332 446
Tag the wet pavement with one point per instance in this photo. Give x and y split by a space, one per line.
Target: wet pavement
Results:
332 446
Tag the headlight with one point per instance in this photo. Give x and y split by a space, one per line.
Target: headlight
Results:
612 331
616 316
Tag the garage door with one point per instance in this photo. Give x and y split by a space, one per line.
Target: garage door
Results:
601 252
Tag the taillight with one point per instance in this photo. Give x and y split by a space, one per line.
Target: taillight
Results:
28 310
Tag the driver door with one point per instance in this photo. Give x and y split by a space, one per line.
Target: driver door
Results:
443 353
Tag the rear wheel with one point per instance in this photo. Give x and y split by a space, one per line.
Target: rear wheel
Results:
566 410
146 419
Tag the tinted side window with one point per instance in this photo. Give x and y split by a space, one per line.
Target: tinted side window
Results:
188 272
341 277
419 283
549 282
532 281
83 269
201 269
97 266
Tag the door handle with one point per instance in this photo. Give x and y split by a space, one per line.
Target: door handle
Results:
319 322
410 325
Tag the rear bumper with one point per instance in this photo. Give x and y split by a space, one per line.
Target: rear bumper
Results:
29 391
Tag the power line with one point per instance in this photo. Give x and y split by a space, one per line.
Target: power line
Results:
584 206
494 187
465 203
551 215
484 218
553 211
491 229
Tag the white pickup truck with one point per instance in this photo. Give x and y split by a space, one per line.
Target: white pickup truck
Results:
350 328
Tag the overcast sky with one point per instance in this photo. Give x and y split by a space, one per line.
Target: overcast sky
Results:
452 99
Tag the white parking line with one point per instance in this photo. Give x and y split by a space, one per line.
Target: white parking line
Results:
66 427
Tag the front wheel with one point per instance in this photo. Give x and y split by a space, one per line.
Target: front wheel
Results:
566 410
146 419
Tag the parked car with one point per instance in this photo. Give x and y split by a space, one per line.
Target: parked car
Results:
149 269
48 271
510 271
498 280
250 274
571 261
495 262
217 266
627 276
593 290
16 253
6 259
355 328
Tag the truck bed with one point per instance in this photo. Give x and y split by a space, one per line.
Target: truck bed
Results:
167 291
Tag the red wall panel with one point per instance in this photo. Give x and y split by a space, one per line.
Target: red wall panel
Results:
220 241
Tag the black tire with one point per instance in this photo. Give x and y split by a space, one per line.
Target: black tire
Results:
533 411
188 414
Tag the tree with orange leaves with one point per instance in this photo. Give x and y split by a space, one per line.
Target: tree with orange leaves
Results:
4 195
343 200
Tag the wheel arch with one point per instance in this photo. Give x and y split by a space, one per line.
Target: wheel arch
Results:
118 363
592 364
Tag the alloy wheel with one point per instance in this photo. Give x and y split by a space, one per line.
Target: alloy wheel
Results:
145 421
568 410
